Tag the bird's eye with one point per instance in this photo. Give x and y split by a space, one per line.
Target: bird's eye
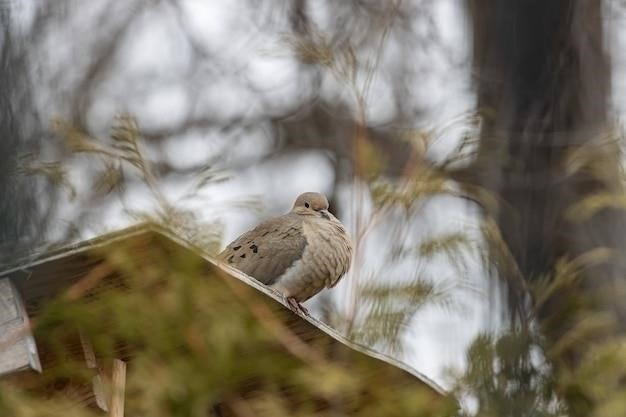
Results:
307 205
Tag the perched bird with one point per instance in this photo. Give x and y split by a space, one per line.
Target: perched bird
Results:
298 253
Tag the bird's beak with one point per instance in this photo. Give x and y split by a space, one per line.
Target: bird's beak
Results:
325 214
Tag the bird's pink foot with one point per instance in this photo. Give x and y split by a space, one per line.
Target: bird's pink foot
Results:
295 306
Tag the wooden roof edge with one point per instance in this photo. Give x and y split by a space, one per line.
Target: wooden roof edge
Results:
334 333
145 227
315 322
41 256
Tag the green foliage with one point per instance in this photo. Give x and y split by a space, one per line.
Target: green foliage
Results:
502 379
123 155
195 340
521 373
340 60
391 309
54 172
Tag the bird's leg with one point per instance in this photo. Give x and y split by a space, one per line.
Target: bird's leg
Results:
295 306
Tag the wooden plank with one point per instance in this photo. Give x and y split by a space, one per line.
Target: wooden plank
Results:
97 380
18 351
118 388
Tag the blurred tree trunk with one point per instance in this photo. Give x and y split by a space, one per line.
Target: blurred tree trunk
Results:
20 221
543 79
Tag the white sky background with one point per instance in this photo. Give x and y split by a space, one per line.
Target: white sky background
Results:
247 75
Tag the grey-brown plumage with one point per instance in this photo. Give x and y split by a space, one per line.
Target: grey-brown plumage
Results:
298 253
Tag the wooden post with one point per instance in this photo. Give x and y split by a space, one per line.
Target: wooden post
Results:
96 382
118 388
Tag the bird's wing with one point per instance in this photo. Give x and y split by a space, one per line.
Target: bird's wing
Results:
268 250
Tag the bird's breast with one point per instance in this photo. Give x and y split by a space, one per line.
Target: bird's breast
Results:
325 259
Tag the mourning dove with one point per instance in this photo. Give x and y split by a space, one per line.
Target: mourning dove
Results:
298 253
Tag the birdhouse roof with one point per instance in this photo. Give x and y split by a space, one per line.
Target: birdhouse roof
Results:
57 271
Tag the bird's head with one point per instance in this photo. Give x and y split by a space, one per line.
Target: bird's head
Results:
311 204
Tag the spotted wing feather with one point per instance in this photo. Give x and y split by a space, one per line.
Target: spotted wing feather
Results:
268 250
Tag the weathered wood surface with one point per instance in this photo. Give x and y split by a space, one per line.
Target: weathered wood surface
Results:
118 387
18 351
